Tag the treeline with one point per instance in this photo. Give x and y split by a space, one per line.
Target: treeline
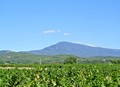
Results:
24 58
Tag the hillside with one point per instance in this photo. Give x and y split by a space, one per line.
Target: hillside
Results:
25 58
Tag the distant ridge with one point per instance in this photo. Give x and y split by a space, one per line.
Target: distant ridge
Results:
81 50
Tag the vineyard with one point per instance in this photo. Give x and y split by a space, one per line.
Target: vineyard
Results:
61 75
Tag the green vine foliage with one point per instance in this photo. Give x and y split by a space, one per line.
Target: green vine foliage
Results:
64 75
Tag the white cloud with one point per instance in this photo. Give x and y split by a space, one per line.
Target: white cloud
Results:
56 31
67 34
51 31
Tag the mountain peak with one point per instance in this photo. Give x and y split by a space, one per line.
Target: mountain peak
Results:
77 43
64 42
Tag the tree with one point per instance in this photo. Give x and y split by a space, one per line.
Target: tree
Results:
70 60
115 61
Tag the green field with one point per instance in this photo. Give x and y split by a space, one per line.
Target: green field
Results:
61 75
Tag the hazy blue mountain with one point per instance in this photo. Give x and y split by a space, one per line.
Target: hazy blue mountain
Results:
57 53
80 50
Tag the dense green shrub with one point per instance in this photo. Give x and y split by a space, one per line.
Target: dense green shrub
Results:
70 60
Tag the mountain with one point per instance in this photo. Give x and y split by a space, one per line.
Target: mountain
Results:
57 53
80 50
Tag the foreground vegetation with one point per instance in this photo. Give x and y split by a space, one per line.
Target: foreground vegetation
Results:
62 75
27 70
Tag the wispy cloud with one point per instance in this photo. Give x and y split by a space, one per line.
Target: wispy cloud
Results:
67 34
51 31
56 31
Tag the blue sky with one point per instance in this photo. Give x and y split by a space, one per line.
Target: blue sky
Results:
35 24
